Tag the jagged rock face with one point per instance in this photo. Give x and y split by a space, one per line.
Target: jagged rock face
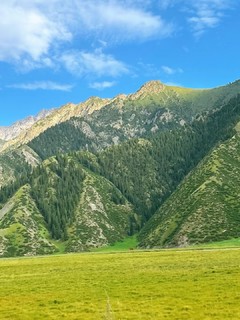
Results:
151 87
177 103
54 117
11 132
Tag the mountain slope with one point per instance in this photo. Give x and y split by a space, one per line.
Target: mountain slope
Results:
148 170
153 108
55 117
205 207
143 146
99 123
22 227
16 163
77 207
103 215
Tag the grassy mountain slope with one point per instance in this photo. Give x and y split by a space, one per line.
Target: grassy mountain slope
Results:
67 202
205 206
22 227
102 216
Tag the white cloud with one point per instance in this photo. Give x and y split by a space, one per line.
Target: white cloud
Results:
200 14
31 32
96 63
207 14
27 32
170 71
122 20
102 85
43 85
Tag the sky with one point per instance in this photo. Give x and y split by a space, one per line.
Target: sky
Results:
55 51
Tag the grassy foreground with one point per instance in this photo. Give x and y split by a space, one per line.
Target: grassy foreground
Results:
133 285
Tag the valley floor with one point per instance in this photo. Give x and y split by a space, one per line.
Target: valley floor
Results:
170 284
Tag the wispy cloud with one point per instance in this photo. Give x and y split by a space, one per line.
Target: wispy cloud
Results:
32 32
200 14
96 63
122 20
170 71
102 85
26 32
42 85
207 14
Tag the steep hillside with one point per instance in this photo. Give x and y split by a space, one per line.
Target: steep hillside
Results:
78 208
148 170
205 207
22 227
102 216
17 163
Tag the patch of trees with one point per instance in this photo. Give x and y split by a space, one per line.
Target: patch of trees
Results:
56 190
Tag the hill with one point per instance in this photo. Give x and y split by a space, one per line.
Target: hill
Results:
64 201
105 169
205 207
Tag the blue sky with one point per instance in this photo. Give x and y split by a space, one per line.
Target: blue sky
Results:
57 51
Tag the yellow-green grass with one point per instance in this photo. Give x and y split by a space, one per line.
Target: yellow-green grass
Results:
132 285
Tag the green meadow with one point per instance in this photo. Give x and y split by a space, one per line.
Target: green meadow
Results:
192 284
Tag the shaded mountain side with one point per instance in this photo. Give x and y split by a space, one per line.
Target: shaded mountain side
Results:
147 171
205 207
22 227
78 208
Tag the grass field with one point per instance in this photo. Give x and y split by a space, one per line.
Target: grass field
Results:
132 285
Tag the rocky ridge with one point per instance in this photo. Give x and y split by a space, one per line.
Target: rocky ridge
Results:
13 131
56 116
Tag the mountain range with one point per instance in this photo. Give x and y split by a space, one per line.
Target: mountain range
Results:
161 163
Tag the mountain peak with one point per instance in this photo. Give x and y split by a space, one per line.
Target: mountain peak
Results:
150 87
11 132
